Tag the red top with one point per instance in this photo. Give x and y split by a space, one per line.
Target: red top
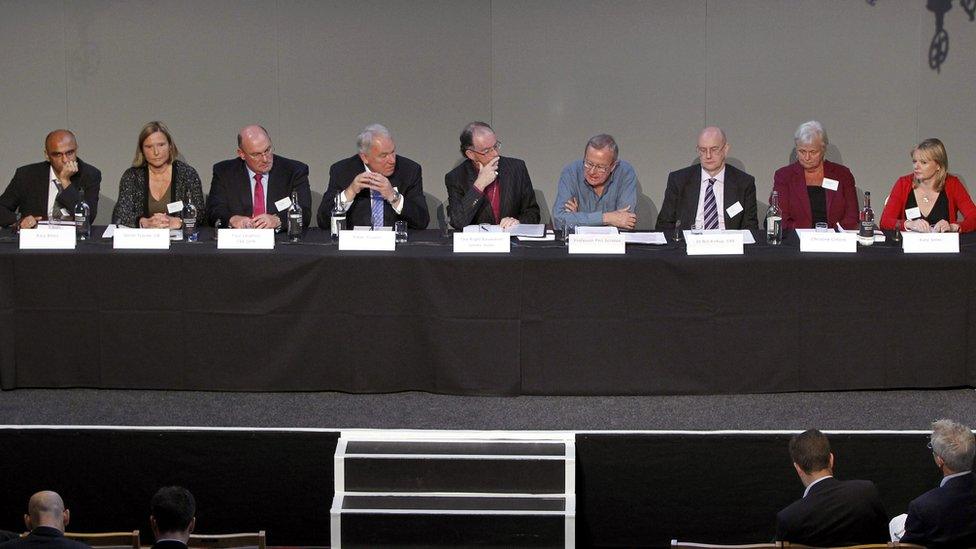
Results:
893 216
794 201
491 191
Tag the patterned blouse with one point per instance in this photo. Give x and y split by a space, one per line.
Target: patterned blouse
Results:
133 200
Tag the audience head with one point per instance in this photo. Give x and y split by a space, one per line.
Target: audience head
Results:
952 446
254 147
172 513
155 146
930 162
479 143
811 144
60 146
810 452
377 149
46 509
599 159
712 149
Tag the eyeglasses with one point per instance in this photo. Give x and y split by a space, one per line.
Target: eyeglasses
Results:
495 147
596 167
269 152
712 150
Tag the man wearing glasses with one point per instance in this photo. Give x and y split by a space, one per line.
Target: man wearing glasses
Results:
710 194
488 188
600 189
51 189
244 190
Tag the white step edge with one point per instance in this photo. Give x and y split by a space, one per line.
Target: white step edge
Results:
513 457
455 494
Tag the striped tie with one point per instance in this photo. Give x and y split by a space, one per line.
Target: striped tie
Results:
377 209
711 210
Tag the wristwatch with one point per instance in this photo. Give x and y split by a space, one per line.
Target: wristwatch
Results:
396 197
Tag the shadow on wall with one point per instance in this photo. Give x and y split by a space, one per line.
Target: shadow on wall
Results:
939 46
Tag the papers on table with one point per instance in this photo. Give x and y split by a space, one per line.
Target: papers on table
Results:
522 229
584 229
548 237
645 238
746 234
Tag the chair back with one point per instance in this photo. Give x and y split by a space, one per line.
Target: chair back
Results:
227 541
107 539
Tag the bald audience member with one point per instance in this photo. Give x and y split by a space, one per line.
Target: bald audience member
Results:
46 519
171 515
51 188
245 190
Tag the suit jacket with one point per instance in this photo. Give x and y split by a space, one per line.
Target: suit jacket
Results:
230 190
835 513
169 544
133 200
684 188
407 178
44 537
28 191
944 516
794 201
959 201
470 207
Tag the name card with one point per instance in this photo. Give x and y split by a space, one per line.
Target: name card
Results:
718 243
930 243
283 204
49 237
125 238
829 241
174 207
371 241
245 239
830 184
485 243
597 244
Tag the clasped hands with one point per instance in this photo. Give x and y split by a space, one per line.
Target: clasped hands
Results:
263 221
923 226
160 221
372 181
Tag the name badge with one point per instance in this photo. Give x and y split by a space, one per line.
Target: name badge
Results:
913 213
125 238
830 242
175 207
734 210
597 244
245 239
490 243
283 204
830 184
370 241
49 237
715 243
930 243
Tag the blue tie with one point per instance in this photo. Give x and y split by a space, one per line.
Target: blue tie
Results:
378 208
711 210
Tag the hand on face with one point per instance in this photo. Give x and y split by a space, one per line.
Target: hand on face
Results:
70 168
487 173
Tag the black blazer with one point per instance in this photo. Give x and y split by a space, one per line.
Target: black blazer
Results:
833 514
230 190
406 177
470 207
28 191
681 198
944 516
44 537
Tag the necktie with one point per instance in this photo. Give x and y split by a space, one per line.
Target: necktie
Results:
377 200
711 211
258 195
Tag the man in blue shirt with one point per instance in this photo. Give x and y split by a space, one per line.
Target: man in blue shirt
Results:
600 189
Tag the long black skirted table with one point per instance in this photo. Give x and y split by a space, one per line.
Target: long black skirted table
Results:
536 321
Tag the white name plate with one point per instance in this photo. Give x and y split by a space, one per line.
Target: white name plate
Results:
125 238
828 241
597 244
245 239
485 243
715 244
371 241
930 243
49 237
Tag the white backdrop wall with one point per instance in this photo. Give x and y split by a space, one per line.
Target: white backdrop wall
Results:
546 74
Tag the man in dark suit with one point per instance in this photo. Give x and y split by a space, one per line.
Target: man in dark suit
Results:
376 187
172 517
46 519
831 512
711 193
488 188
946 516
51 188
250 191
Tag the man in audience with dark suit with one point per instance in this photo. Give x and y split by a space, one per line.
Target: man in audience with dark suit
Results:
376 187
944 516
46 519
51 189
831 512
171 516
710 193
245 191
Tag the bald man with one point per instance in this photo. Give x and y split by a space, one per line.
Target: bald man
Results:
52 187
46 519
244 190
710 193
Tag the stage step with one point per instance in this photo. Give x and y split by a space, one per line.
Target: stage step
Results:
454 489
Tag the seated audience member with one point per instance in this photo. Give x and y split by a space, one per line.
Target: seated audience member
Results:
930 198
244 190
831 512
50 189
597 190
157 177
944 516
710 193
813 189
171 516
46 519
489 188
376 187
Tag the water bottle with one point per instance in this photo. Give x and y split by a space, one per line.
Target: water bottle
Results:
865 232
774 221
338 217
294 219
82 211
190 231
